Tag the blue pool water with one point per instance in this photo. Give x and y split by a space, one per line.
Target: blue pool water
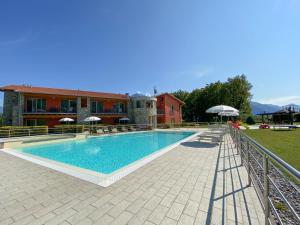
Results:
107 153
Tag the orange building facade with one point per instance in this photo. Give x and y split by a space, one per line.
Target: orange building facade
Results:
169 109
32 106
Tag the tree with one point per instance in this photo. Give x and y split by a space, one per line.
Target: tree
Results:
239 89
234 92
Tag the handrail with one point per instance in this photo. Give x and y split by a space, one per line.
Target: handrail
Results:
273 186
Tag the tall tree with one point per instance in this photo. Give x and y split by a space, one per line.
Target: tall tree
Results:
234 92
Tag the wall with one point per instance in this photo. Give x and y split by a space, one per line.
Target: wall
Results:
12 108
141 115
165 106
83 113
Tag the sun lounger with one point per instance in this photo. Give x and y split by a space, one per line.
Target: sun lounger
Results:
131 128
100 131
105 130
114 130
124 129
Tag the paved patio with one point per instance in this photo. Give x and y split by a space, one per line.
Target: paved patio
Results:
195 183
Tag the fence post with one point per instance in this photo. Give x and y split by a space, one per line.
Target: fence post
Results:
248 163
266 189
8 133
237 141
28 132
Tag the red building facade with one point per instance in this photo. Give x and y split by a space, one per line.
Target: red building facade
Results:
169 109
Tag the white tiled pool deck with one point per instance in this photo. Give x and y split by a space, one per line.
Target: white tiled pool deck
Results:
184 186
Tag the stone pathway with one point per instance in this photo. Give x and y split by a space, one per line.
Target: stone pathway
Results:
181 187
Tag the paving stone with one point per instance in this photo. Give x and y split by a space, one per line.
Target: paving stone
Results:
158 214
98 213
61 217
140 217
152 203
186 220
122 219
168 200
135 206
191 208
118 209
104 220
168 221
175 211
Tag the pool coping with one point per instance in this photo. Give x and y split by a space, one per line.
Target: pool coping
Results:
103 180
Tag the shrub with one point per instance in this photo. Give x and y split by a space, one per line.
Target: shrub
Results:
250 120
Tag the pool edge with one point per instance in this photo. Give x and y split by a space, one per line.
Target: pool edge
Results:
103 180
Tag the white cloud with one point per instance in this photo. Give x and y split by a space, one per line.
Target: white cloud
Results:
282 100
14 41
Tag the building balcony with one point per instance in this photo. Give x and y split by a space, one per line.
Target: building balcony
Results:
110 112
51 111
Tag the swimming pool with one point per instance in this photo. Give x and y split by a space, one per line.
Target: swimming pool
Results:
106 154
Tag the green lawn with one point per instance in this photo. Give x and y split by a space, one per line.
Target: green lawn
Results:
285 144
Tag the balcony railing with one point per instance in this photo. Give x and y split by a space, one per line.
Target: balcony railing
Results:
109 111
51 111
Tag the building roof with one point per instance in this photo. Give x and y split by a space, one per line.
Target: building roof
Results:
58 91
172 96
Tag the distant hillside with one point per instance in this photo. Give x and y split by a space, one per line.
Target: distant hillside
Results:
261 108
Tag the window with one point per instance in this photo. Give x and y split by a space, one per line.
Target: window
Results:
138 104
83 102
36 105
119 107
171 108
68 106
149 104
96 107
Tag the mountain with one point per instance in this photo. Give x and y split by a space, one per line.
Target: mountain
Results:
1 109
261 108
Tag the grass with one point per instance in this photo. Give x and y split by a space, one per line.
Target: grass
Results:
285 144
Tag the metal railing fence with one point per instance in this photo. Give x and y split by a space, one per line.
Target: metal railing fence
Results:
12 132
279 196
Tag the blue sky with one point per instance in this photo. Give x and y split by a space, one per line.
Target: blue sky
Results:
128 46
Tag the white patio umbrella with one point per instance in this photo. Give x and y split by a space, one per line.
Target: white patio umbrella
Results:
222 109
66 119
92 119
124 119
228 114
